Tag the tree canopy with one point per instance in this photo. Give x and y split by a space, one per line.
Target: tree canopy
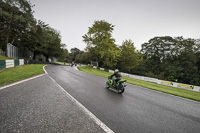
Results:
19 27
129 58
173 59
101 45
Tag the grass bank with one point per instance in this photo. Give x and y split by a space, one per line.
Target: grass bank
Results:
18 73
4 58
166 89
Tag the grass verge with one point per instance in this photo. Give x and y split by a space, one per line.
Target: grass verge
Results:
4 58
18 73
162 88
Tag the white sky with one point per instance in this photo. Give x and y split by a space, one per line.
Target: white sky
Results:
138 20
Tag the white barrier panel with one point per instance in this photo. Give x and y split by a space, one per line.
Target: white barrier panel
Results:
197 88
102 69
21 61
137 77
150 79
111 71
159 81
10 63
175 84
124 74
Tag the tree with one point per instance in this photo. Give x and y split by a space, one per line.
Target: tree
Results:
64 55
82 57
156 51
174 59
188 61
46 41
16 20
129 58
74 52
101 44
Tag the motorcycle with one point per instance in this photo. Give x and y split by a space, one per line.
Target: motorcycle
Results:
118 87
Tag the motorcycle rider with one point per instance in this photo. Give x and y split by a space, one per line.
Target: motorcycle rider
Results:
117 75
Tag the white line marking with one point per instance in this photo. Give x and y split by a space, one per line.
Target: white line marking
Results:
24 80
44 69
92 116
21 81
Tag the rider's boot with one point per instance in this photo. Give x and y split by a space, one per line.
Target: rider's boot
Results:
113 83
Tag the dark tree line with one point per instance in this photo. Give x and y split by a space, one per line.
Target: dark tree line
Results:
174 59
19 27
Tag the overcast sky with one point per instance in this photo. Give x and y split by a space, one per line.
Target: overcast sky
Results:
138 20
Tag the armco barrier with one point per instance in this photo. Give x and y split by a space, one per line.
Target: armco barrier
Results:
110 71
11 63
163 82
185 86
21 61
168 83
102 69
197 88
180 85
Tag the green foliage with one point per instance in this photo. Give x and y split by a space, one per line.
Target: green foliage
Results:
101 45
64 56
74 52
83 57
176 59
46 41
16 21
129 58
20 28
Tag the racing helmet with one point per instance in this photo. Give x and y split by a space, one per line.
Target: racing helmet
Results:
116 70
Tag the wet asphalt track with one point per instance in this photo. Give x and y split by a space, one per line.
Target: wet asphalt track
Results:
137 110
39 106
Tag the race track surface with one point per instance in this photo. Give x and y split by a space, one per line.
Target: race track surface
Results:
137 110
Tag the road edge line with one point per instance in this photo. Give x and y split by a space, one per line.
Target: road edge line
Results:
19 82
12 84
84 109
45 69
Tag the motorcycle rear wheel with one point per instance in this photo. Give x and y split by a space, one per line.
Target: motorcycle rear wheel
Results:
121 89
107 85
